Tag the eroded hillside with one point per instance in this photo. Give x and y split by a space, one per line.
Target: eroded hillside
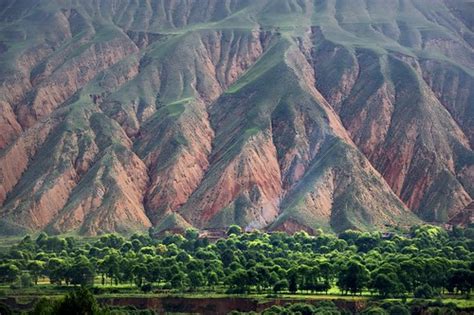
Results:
272 114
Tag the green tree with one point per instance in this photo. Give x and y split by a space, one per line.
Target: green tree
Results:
79 302
280 286
36 268
350 236
327 308
384 284
227 257
139 272
212 279
374 310
302 308
178 281
238 281
41 239
327 271
196 279
293 283
234 230
275 310
462 280
111 241
27 244
26 280
81 272
191 234
367 241
56 244
110 265
398 309
353 277
56 270
410 274
45 307
322 287
424 292
8 273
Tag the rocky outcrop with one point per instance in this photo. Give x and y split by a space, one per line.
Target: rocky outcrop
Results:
109 199
15 160
465 217
243 188
71 76
175 149
10 128
176 141
398 122
453 87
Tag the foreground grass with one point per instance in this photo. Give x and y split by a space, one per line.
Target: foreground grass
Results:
461 303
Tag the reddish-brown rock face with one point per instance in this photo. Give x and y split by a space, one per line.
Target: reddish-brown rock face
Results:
465 217
272 115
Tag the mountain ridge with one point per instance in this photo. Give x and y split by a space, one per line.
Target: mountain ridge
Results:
287 114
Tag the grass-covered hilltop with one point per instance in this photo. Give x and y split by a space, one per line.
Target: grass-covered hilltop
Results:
425 268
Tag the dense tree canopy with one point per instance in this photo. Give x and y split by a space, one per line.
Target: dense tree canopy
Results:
423 262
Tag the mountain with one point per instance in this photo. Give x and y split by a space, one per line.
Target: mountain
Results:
119 115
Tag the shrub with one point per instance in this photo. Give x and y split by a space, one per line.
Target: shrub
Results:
424 292
374 310
147 288
280 286
26 281
45 307
398 309
4 309
78 302
302 308
274 310
327 308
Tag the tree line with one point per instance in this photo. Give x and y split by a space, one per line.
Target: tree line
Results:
424 262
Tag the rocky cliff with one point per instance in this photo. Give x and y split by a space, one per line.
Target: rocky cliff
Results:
271 114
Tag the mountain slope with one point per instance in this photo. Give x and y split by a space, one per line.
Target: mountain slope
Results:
284 115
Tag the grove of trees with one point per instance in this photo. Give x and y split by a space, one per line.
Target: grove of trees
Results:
424 262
